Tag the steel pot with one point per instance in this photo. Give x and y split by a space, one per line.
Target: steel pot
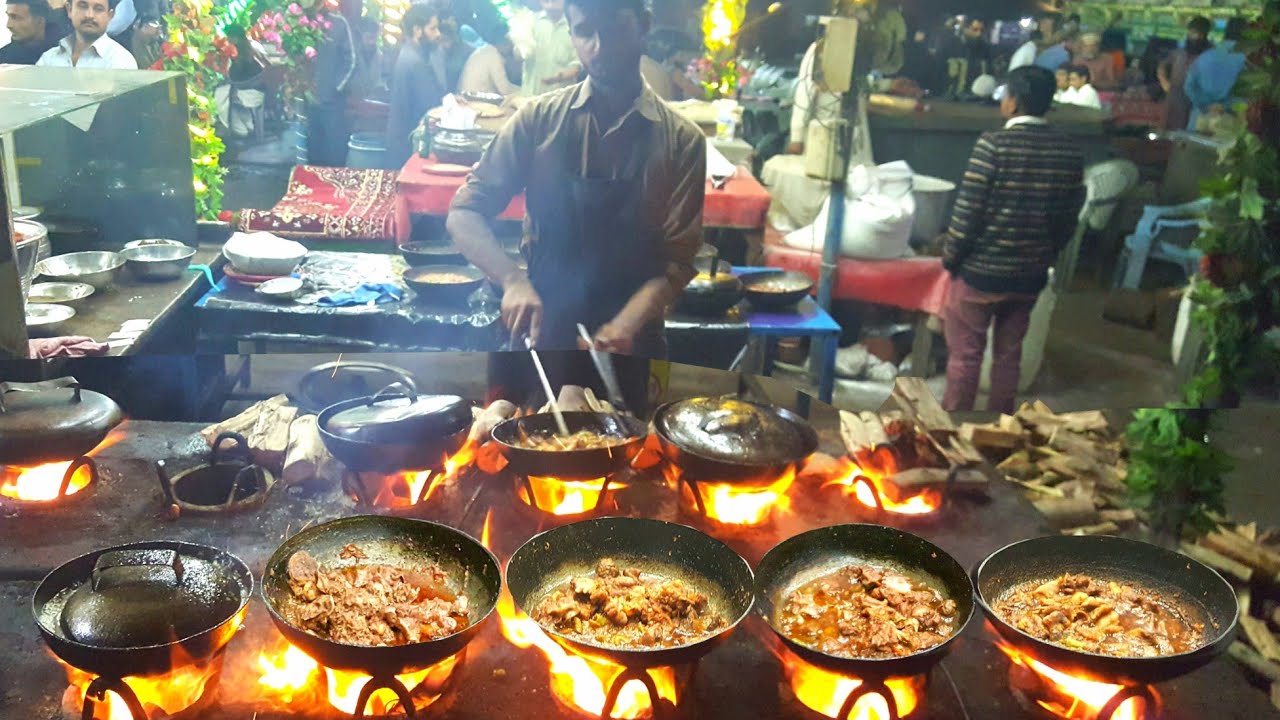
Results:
52 420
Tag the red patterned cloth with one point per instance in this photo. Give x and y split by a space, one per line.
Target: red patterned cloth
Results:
331 204
918 284
742 203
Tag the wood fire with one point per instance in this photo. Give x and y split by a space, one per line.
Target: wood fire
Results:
579 681
826 692
734 504
170 694
1066 696
412 487
867 478
290 677
565 497
43 482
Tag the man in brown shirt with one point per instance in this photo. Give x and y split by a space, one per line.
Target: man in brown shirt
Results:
614 182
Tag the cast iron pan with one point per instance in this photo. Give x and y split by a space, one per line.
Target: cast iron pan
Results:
131 624
1201 592
594 463
452 294
401 542
703 466
809 555
415 452
552 558
334 382
792 288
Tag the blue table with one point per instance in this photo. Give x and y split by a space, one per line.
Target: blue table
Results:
808 320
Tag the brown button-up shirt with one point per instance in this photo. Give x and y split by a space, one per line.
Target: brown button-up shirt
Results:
528 153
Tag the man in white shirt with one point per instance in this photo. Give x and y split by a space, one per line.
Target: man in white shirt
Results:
1081 92
88 45
551 62
485 72
1027 54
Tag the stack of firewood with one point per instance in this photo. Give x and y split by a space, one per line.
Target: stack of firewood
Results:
1071 466
1249 559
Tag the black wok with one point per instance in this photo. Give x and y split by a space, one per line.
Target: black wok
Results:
765 464
414 449
402 542
552 558
1181 581
592 463
809 555
217 587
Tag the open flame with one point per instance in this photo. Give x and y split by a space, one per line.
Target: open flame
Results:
866 478
581 681
169 694
43 482
825 692
291 676
735 504
1070 697
417 486
565 497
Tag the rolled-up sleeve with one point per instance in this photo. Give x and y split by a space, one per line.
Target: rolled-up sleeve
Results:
682 233
503 170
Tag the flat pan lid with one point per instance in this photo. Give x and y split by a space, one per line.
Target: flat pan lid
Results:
732 430
52 420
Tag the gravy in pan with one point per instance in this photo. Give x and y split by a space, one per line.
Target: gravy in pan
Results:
864 611
1105 618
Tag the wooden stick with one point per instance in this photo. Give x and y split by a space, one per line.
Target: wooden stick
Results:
1105 528
1067 512
1218 561
1275 695
876 434
854 432
546 386
1260 637
1235 546
1248 657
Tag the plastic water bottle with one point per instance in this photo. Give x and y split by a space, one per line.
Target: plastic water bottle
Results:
726 126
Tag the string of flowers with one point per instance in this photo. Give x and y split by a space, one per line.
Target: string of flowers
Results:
1174 470
295 31
195 48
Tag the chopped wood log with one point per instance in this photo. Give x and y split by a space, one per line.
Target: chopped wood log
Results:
1037 486
854 432
989 437
1275 695
1235 546
485 420
876 433
264 426
1223 564
1121 517
960 452
1067 512
1105 528
1009 423
1018 465
307 461
1078 445
1244 599
489 458
1248 532
1260 637
914 481
914 399
1252 660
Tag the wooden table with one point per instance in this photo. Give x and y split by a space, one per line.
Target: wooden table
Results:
741 204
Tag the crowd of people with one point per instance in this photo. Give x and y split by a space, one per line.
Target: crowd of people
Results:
112 34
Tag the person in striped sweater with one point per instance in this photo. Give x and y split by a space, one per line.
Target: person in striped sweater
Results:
1016 210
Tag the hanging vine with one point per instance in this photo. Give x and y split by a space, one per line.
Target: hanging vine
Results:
1174 470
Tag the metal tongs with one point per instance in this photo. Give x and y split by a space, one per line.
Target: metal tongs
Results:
546 386
604 366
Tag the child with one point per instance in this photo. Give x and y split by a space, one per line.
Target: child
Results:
1063 78
1081 92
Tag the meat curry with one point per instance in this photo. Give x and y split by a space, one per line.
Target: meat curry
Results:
867 612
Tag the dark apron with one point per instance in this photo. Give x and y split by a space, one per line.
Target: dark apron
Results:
590 257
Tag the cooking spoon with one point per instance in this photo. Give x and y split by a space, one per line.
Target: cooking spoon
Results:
546 385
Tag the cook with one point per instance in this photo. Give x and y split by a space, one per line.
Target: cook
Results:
614 181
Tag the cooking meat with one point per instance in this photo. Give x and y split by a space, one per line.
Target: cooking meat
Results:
372 604
1105 618
863 611
581 440
623 607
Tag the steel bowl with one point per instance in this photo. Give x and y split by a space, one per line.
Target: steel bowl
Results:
158 261
283 288
59 293
152 241
26 242
47 320
97 268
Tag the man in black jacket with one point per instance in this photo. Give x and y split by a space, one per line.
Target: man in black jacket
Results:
1016 210
31 29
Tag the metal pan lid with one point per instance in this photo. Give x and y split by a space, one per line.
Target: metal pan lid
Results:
52 420
396 410
729 429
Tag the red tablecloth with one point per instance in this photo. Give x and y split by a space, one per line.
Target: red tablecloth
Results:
741 204
912 283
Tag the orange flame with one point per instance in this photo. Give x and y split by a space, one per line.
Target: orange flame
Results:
170 693
42 482
290 675
1075 698
582 681
406 488
485 531
866 478
733 504
825 692
566 497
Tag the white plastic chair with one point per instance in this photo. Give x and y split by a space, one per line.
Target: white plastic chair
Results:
1165 232
1105 184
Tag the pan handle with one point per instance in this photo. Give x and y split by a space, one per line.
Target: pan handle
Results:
43 386
166 482
118 559
394 391
241 448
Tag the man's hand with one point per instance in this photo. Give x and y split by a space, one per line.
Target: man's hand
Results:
795 148
564 76
613 337
521 308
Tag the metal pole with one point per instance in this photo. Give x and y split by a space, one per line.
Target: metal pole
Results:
835 212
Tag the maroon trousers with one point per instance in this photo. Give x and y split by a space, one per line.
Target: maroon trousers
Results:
966 317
